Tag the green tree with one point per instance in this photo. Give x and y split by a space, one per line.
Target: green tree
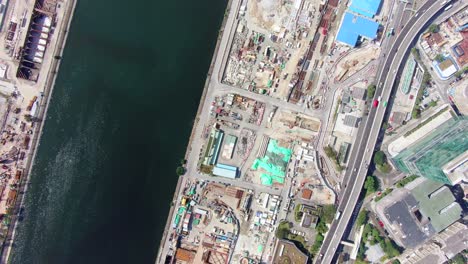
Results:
385 126
415 53
458 259
28 118
180 170
385 168
328 213
371 90
426 80
416 113
434 28
439 58
379 158
433 103
330 152
297 213
371 184
362 251
390 248
395 261
282 231
321 227
362 218
317 243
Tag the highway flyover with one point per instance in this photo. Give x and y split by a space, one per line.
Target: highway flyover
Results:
368 134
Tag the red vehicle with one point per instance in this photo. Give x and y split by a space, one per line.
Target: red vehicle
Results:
381 224
375 103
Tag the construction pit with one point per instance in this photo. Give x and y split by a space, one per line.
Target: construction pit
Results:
274 149
269 44
355 61
213 223
256 235
231 132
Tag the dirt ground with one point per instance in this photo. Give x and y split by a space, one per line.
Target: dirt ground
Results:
355 61
268 14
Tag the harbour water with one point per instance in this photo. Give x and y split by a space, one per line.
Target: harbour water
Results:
121 113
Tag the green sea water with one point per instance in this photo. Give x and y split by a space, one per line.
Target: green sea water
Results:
120 117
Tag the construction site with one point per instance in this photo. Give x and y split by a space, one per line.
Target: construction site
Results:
28 38
252 140
275 44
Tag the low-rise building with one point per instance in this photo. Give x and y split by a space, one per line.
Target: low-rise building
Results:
440 248
287 252
415 213
353 27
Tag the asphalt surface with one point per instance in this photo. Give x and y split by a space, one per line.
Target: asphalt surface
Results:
368 134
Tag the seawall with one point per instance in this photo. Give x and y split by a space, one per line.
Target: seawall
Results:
52 73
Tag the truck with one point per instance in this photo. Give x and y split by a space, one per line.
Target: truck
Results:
338 214
390 32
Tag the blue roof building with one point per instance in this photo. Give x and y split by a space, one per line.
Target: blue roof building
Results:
354 26
368 8
226 171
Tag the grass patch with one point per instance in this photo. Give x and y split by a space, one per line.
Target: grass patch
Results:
297 213
383 194
401 183
333 155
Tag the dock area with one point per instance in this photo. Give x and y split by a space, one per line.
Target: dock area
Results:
33 37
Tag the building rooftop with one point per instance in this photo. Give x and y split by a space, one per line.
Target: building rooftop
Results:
457 169
184 256
353 27
400 215
359 93
352 121
428 155
306 194
437 203
440 248
446 68
309 220
408 73
460 50
367 8
288 252
446 64
224 170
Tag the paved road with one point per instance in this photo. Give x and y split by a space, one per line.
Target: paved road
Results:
365 143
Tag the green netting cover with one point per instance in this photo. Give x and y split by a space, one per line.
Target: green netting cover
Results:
274 162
